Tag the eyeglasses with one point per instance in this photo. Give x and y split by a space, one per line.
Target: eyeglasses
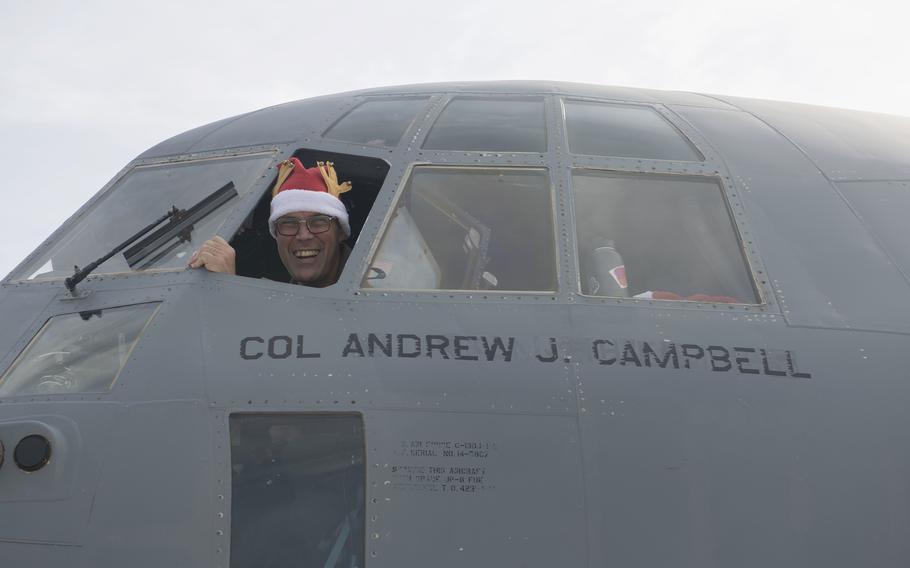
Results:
290 226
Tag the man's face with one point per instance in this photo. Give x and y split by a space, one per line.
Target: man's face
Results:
312 260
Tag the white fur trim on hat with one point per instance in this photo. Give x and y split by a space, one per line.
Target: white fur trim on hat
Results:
294 200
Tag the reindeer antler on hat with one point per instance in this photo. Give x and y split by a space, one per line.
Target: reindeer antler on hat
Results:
327 169
308 189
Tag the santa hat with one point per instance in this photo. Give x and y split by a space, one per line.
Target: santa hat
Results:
308 189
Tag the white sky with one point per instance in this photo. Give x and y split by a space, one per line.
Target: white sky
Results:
85 86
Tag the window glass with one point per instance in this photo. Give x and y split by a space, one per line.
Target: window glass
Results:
377 122
624 131
661 237
496 125
297 490
76 353
142 196
469 229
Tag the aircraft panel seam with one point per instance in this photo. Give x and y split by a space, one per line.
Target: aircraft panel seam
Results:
873 180
41 542
873 235
720 100
849 329
229 122
833 185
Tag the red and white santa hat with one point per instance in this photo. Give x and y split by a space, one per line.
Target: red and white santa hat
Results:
308 189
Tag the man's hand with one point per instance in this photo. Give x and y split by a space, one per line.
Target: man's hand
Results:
215 255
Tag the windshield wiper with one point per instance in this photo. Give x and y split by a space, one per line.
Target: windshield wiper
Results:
180 225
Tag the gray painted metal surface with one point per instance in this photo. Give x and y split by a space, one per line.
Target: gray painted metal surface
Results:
566 430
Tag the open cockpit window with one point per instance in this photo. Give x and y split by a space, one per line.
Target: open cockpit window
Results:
210 187
459 228
256 250
658 237
379 122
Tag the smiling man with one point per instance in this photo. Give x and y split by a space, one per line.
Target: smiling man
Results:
309 223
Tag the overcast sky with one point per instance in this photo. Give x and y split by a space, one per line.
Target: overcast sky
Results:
86 86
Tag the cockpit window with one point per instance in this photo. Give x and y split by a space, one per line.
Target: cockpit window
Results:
377 122
624 131
658 237
257 254
78 353
490 125
297 490
139 198
469 229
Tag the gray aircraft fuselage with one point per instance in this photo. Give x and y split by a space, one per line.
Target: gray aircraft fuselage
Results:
467 399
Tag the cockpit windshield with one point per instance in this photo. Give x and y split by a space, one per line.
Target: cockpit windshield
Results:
136 200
